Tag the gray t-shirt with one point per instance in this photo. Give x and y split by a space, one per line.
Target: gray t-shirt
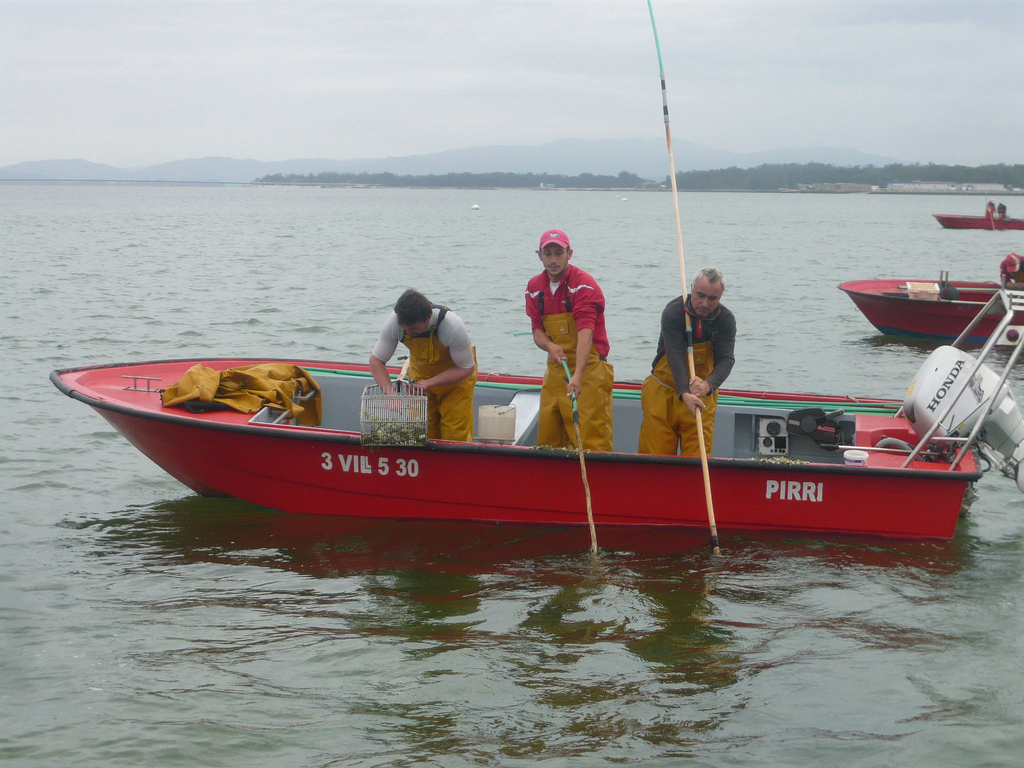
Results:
452 334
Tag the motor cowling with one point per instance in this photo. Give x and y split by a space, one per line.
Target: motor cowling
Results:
944 381
823 428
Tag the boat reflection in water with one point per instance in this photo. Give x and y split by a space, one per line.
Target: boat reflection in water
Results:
497 593
436 586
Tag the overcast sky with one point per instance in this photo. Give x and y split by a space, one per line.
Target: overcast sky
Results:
149 81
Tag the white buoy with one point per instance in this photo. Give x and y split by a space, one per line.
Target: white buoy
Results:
474 207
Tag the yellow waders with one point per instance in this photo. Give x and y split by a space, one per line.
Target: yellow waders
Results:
668 426
449 406
594 402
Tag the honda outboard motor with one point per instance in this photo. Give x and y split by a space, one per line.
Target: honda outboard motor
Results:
942 383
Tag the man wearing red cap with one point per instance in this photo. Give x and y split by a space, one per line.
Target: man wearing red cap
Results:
566 310
1011 272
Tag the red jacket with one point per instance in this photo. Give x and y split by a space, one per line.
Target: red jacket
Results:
585 302
1010 268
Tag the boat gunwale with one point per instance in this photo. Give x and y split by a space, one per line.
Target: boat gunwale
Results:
345 437
489 378
980 285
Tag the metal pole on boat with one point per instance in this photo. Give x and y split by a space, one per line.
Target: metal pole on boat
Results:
682 275
583 464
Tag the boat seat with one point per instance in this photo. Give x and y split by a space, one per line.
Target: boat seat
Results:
527 405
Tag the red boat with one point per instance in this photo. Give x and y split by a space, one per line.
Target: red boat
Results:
954 221
927 310
781 462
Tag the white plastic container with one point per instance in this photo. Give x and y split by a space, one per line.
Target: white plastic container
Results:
923 291
496 424
855 458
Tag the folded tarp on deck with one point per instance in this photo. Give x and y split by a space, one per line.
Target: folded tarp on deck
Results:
248 388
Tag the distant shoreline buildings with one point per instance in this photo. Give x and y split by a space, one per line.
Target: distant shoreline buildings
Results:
912 188
945 188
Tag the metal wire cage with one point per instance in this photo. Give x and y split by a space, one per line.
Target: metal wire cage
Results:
399 419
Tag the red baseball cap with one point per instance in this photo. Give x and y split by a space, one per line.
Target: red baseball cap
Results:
554 236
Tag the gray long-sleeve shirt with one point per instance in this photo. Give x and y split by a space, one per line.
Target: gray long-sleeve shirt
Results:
719 329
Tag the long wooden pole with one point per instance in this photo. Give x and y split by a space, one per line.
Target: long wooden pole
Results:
682 275
583 464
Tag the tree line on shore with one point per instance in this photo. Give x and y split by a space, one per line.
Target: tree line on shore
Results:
624 180
763 178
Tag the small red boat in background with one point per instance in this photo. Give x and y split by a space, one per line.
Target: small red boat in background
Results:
954 221
931 310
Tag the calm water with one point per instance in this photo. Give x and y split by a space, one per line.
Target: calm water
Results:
143 625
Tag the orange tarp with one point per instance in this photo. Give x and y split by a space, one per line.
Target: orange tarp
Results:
249 388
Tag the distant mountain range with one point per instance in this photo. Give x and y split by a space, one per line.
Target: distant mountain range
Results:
646 158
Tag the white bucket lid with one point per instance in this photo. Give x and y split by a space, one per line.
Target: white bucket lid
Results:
497 410
856 458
